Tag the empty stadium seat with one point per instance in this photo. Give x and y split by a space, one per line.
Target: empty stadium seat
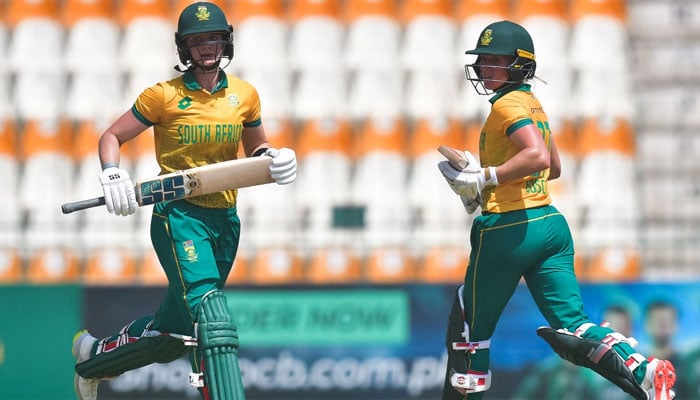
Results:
389 265
94 95
334 265
376 93
11 268
261 35
147 41
92 36
674 107
431 93
11 216
664 19
441 218
46 181
429 35
612 264
443 264
29 20
316 35
319 94
276 265
274 86
598 35
379 180
324 173
7 108
109 266
49 86
373 35
607 165
53 266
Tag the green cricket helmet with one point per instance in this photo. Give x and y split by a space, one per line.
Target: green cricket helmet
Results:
503 38
202 17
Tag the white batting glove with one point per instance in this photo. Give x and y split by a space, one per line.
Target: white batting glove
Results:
283 168
470 204
470 181
120 197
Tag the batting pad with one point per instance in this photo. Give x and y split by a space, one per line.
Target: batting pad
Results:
218 346
142 352
595 355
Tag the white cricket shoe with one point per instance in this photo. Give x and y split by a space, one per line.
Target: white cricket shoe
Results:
659 379
85 388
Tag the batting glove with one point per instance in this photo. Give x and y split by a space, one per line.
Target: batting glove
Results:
470 181
120 197
283 168
470 205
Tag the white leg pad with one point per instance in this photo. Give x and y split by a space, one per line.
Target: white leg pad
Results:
472 381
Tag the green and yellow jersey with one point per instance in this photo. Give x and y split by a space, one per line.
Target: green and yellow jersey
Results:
509 112
194 127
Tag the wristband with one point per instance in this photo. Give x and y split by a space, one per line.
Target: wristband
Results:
493 179
260 152
109 165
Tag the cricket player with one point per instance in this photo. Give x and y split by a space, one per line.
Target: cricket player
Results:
199 118
519 234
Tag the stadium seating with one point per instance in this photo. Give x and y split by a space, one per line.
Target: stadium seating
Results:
389 265
444 264
373 35
324 173
11 269
53 265
109 266
46 181
440 216
11 217
363 90
379 180
276 265
334 265
316 35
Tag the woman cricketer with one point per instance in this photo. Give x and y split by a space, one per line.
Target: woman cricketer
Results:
519 234
196 239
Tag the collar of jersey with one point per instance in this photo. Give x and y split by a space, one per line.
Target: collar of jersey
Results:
525 87
192 84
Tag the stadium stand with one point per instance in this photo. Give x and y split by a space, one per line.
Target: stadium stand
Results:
363 90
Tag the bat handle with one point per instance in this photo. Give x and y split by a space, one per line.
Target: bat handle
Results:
83 204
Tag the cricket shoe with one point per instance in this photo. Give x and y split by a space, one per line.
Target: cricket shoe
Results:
659 379
85 388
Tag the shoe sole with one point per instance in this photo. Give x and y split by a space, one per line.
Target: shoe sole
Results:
664 379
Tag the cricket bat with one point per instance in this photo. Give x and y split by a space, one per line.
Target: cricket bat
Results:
456 158
212 178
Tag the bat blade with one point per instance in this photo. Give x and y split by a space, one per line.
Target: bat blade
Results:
198 181
456 158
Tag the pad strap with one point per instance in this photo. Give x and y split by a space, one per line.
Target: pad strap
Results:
472 381
471 347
